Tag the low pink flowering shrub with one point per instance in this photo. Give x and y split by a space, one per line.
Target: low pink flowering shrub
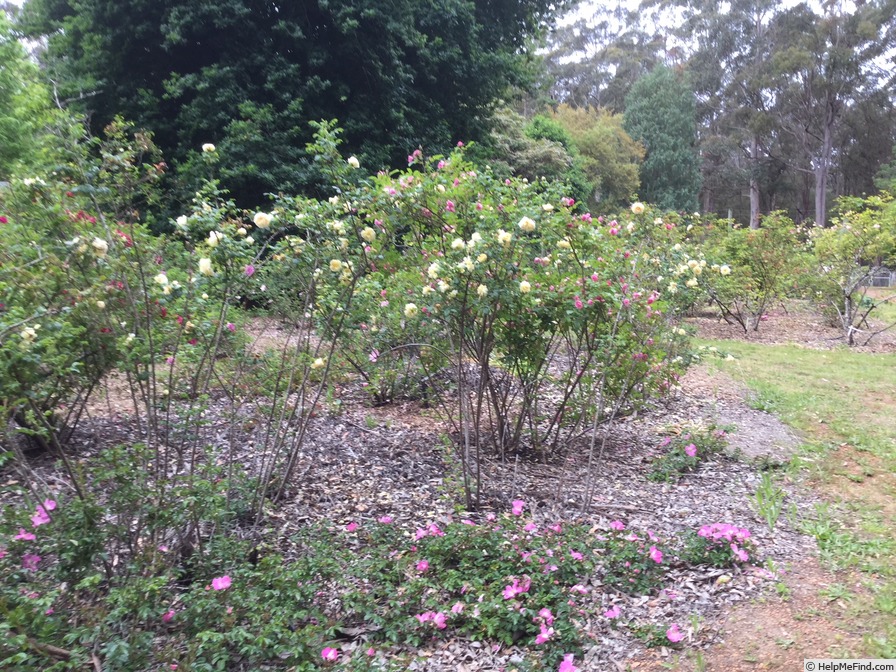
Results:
631 562
719 545
684 452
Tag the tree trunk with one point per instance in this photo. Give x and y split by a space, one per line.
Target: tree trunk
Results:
754 182
822 169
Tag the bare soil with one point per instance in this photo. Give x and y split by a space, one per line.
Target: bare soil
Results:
796 323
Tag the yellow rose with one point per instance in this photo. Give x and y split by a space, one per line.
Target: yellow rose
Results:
525 287
637 207
504 237
335 265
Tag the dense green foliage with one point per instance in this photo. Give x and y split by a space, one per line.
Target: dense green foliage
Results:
610 158
660 113
24 104
249 76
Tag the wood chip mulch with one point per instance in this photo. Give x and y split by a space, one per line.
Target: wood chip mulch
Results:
362 462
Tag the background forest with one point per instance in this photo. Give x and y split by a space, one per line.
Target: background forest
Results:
737 108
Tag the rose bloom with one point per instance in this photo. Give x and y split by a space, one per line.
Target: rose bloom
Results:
504 237
526 224
262 220
208 148
318 363
637 207
100 247
410 310
205 266
525 287
353 162
335 265
29 334
482 290
214 237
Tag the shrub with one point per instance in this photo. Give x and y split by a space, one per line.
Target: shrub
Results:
684 452
753 269
858 243
718 545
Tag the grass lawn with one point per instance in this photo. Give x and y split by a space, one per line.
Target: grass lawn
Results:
844 404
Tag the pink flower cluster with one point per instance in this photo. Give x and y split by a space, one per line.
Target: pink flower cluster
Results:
736 537
437 618
41 517
567 664
518 587
431 530
545 620
673 634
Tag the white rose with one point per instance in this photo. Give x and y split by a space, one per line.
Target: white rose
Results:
262 219
205 266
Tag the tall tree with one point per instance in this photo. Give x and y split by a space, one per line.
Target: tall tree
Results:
831 59
249 74
609 157
594 62
24 102
660 113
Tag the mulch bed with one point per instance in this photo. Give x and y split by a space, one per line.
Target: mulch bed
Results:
361 463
